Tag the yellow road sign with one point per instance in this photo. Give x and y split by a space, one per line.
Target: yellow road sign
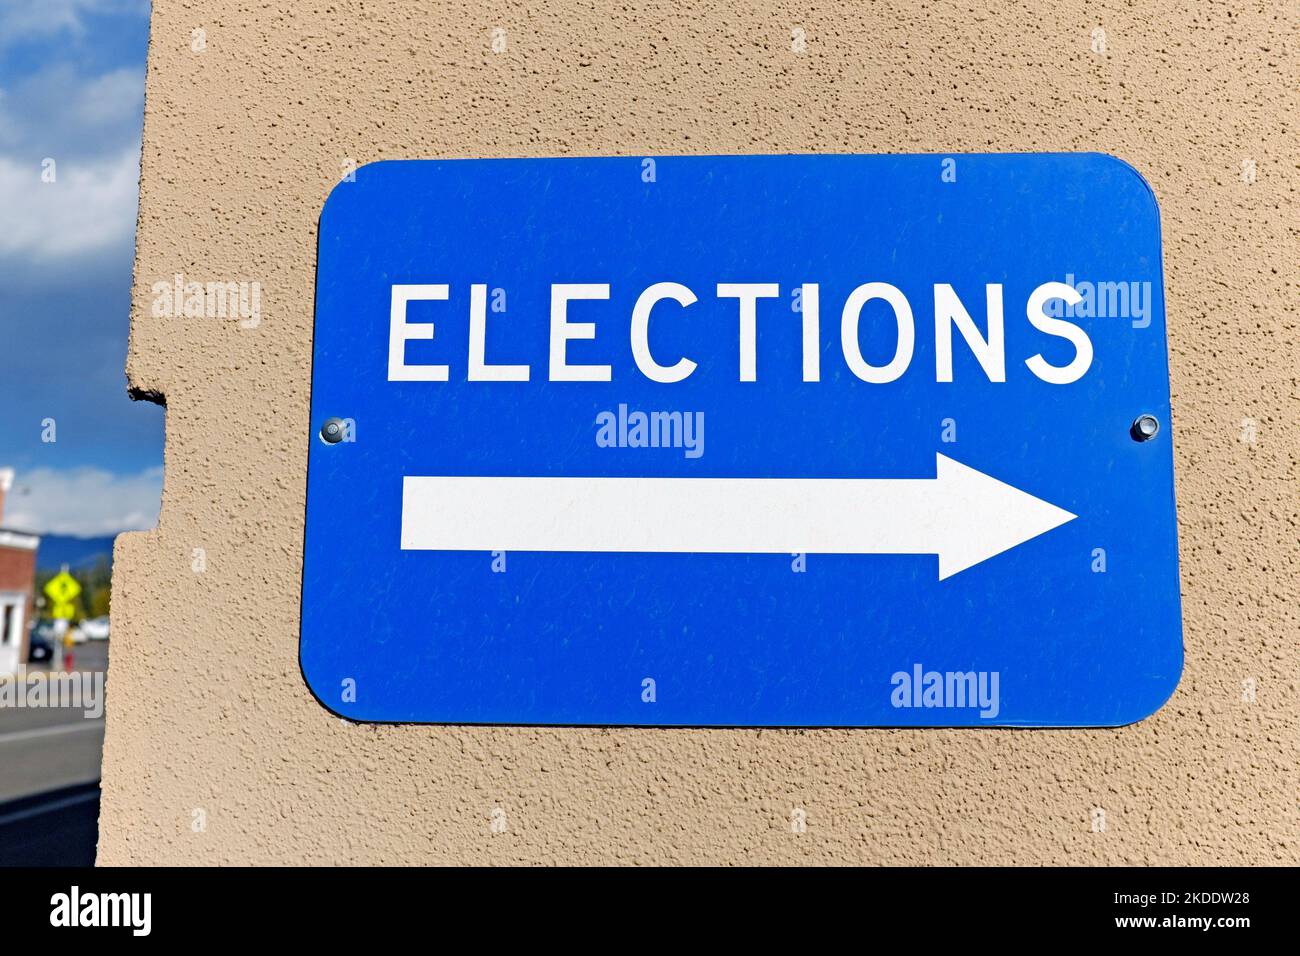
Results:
65 610
62 589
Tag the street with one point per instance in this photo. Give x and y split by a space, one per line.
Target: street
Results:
49 748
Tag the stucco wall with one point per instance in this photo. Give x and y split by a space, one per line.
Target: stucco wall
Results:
216 751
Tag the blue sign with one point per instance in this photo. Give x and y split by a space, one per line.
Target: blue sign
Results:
742 441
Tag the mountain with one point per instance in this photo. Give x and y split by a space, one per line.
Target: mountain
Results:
57 550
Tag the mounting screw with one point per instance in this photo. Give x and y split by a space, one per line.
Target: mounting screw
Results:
331 433
1144 428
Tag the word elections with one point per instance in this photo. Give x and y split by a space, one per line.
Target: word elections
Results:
638 429
949 313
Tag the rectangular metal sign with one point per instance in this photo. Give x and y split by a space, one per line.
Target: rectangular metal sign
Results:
742 441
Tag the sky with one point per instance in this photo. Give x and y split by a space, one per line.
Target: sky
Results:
72 91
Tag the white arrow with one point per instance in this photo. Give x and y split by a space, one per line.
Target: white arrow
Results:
962 515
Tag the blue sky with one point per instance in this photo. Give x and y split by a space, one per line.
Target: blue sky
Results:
72 90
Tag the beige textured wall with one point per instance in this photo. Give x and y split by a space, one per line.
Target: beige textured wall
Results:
244 139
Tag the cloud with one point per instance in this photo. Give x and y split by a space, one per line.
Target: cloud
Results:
83 132
58 110
26 22
37 21
83 501
71 90
115 98
89 206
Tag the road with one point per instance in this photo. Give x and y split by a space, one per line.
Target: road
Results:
49 748
58 828
49 778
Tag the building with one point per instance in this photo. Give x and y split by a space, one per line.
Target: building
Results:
17 585
216 752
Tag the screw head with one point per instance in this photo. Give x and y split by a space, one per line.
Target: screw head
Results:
331 433
1144 428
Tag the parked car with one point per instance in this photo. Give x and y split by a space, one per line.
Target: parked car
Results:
95 628
39 648
44 629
